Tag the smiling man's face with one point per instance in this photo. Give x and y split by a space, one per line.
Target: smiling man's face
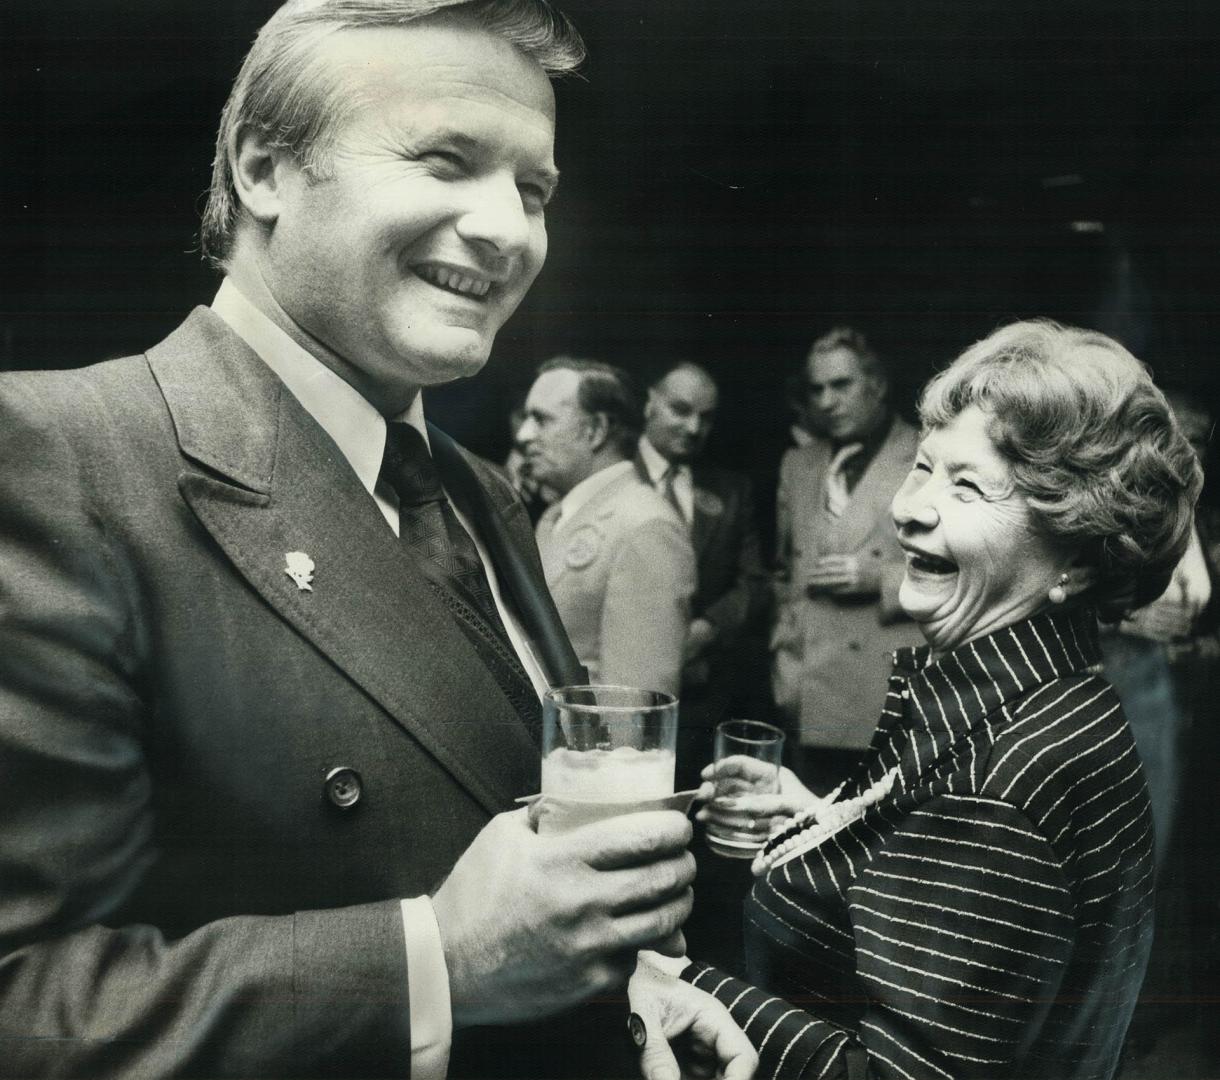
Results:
427 226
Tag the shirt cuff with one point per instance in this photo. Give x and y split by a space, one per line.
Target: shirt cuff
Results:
670 965
428 990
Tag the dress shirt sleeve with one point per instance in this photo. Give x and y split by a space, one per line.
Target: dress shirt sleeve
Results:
962 933
428 991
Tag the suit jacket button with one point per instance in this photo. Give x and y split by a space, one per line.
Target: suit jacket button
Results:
637 1030
343 787
854 646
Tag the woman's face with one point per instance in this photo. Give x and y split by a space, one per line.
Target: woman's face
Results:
974 562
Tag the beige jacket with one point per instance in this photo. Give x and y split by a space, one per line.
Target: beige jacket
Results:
622 571
830 655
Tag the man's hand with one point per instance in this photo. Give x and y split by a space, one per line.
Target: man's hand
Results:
744 802
686 1024
843 575
534 924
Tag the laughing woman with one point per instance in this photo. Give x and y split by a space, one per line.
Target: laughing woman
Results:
976 901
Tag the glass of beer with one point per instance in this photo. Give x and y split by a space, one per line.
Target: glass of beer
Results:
746 756
606 750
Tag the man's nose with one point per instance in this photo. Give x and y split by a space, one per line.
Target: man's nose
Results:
495 216
527 432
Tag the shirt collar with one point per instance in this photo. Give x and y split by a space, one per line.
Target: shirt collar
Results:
356 427
959 689
588 487
654 463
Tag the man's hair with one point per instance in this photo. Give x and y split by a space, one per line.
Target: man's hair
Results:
608 390
667 370
285 90
851 339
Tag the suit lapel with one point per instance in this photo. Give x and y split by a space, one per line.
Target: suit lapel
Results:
506 532
873 493
275 483
703 525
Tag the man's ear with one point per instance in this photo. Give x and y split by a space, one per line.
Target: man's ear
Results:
650 405
598 427
259 172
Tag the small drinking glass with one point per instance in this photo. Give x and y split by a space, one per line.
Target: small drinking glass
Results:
606 750
754 749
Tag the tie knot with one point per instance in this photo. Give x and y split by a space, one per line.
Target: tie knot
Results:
408 467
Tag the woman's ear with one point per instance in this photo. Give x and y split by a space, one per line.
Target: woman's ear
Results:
1081 576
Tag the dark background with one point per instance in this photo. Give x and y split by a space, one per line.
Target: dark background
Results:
738 177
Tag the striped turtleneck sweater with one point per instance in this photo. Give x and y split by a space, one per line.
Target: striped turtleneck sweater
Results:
992 914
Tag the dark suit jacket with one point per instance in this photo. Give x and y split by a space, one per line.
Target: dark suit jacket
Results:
177 894
732 585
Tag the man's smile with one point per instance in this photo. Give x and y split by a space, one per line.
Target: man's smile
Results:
460 282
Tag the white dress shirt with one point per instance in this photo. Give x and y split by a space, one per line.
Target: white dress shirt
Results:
359 431
658 467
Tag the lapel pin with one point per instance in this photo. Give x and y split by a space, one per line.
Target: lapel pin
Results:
299 567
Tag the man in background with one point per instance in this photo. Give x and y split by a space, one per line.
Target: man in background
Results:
838 560
716 506
617 556
271 646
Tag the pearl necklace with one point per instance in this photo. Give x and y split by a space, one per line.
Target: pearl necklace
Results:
811 826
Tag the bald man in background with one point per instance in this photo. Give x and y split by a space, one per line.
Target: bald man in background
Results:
717 509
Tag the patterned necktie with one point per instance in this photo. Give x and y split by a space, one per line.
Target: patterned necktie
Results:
427 523
837 492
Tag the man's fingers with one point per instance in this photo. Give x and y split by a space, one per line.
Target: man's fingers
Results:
631 839
652 929
643 887
674 945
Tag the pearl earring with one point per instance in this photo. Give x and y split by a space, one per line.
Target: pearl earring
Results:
1058 592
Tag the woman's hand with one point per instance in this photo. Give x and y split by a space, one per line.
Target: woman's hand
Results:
746 799
684 1022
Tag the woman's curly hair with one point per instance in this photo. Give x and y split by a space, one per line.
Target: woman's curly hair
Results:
1093 446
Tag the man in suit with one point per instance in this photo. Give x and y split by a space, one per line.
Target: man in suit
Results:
725 661
838 560
617 558
717 507
271 647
